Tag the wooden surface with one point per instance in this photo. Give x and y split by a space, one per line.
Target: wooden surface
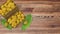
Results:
46 17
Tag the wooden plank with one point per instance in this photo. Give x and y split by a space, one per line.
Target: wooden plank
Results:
41 23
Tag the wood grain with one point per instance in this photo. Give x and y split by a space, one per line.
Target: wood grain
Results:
46 17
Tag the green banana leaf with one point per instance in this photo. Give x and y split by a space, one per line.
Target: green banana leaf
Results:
3 21
29 20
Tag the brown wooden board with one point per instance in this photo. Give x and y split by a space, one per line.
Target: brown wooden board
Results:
46 17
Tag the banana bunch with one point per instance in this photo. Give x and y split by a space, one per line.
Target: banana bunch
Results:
13 16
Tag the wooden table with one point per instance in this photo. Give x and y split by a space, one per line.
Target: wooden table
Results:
44 22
